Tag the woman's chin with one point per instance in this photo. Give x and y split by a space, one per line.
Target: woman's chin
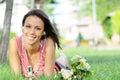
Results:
30 42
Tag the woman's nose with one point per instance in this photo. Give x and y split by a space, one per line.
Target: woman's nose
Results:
32 31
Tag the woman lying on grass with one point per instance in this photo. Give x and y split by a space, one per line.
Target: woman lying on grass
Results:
35 48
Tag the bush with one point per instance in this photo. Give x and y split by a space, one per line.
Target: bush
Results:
107 28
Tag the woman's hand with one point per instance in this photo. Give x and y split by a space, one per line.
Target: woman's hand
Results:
31 76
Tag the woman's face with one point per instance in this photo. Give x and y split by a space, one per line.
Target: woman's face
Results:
33 29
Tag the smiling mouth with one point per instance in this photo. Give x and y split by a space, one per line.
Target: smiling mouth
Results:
31 38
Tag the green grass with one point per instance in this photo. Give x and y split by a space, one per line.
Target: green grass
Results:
105 64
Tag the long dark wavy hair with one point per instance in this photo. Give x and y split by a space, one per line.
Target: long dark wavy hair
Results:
48 28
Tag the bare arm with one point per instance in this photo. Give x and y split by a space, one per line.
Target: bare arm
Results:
13 57
50 57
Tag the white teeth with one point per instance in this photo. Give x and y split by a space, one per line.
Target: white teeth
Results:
31 38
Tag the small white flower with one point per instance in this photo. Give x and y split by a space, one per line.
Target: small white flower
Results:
66 73
83 60
84 63
75 76
75 58
70 78
87 66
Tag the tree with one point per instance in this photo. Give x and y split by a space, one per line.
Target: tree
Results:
107 27
103 7
6 31
116 22
1 1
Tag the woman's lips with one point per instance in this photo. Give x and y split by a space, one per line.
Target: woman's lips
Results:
31 38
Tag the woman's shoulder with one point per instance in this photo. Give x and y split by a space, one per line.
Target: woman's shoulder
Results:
15 45
13 41
12 47
50 40
15 38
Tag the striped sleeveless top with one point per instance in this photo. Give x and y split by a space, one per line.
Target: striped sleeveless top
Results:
24 59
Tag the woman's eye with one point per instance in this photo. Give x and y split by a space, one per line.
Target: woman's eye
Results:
38 28
27 26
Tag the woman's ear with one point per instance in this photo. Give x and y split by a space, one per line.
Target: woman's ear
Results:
44 33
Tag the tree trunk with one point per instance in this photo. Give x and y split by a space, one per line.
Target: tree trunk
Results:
6 31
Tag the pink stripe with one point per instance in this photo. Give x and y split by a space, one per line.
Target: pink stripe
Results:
24 59
21 54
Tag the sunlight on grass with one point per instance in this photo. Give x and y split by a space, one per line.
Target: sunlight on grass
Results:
105 64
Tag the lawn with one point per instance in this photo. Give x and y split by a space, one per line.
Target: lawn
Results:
105 64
